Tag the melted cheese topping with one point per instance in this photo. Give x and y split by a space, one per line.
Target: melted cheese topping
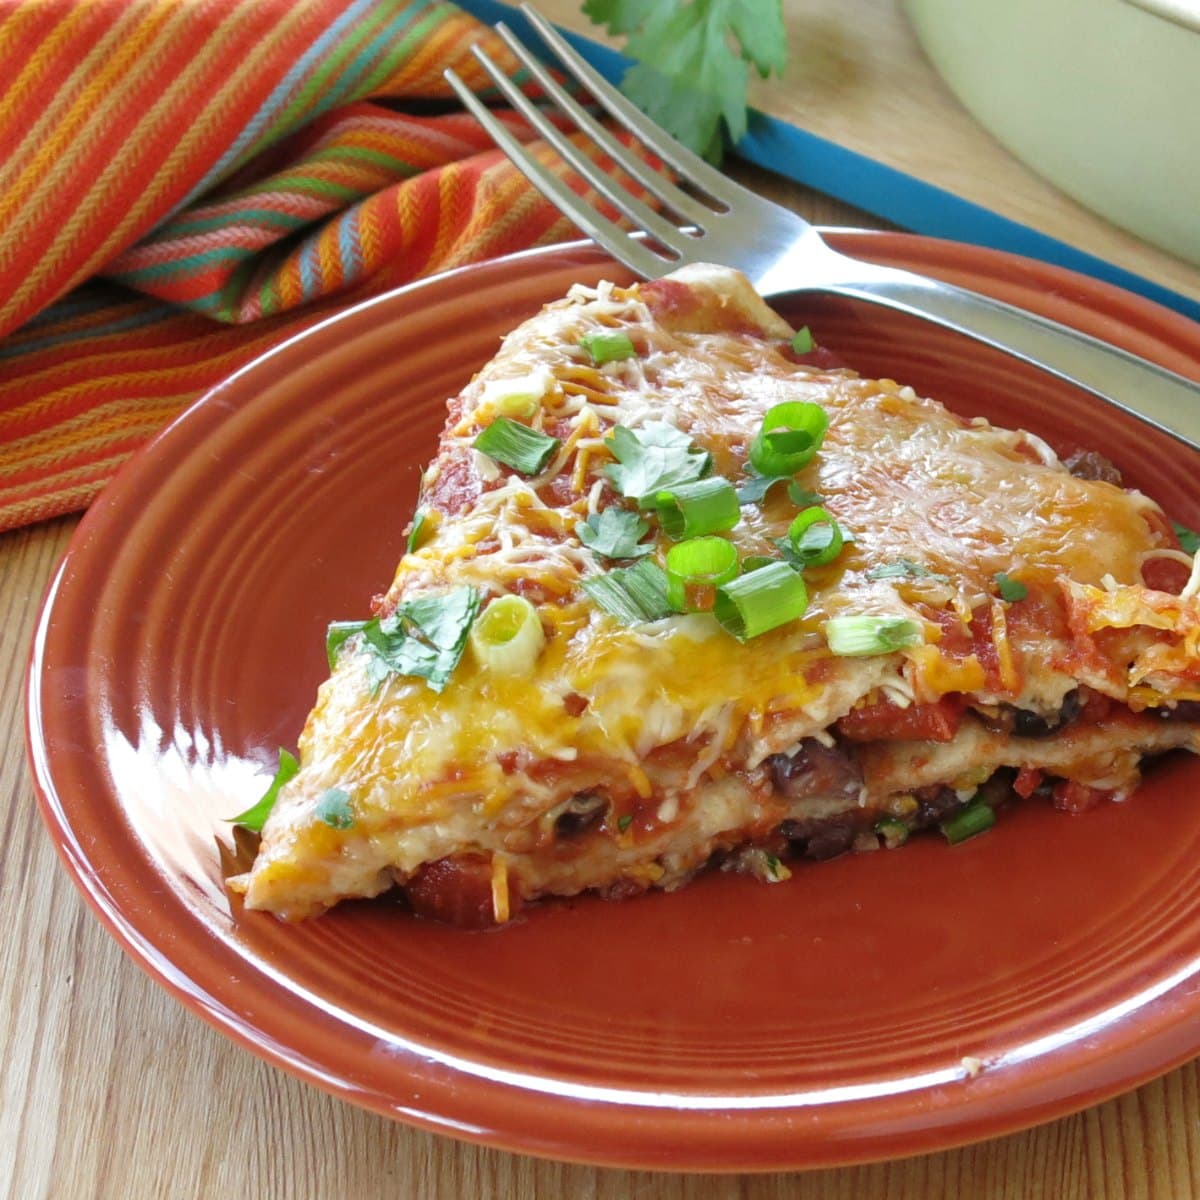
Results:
655 712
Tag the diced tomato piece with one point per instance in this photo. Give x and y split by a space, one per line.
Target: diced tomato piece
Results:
881 720
1074 797
1028 780
457 890
1165 575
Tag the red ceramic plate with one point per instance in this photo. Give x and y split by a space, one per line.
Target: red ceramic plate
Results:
873 1006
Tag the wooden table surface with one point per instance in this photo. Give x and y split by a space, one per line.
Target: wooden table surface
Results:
109 1088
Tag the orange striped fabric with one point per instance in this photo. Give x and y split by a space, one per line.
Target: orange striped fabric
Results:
183 183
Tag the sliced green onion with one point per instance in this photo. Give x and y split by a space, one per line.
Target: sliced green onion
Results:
519 397
803 342
690 510
755 562
1010 589
695 569
790 436
631 594
893 831
607 347
334 809
855 636
516 445
816 537
752 604
507 636
967 822
255 817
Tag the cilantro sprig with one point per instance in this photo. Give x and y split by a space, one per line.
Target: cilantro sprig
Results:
614 533
1189 539
653 458
424 637
255 817
688 76
905 568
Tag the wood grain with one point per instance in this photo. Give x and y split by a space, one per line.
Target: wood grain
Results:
110 1089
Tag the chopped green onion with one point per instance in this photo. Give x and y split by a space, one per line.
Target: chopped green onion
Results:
334 809
893 831
859 635
690 510
516 445
520 397
417 529
631 594
816 537
695 569
1010 589
967 822
803 342
507 637
624 821
255 817
790 436
755 562
607 347
752 604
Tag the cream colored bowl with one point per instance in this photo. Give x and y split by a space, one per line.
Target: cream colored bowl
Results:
1101 97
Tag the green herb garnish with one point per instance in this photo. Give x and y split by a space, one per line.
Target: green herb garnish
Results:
693 60
652 459
815 537
696 568
763 600
633 595
803 342
417 528
967 822
614 533
790 435
1010 589
1189 539
859 635
607 347
624 821
690 510
515 445
255 817
905 568
754 488
423 637
334 809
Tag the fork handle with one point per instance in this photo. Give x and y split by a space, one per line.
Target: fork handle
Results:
1159 397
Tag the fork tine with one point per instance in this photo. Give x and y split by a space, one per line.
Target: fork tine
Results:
634 254
691 166
657 184
625 202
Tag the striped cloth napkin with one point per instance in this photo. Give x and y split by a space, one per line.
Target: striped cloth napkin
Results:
184 183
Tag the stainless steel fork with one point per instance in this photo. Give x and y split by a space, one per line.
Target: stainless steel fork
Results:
782 253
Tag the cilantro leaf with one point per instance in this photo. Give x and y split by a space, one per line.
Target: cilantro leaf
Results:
688 76
802 497
334 809
1010 589
654 458
754 488
255 817
1189 539
425 637
904 568
614 533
